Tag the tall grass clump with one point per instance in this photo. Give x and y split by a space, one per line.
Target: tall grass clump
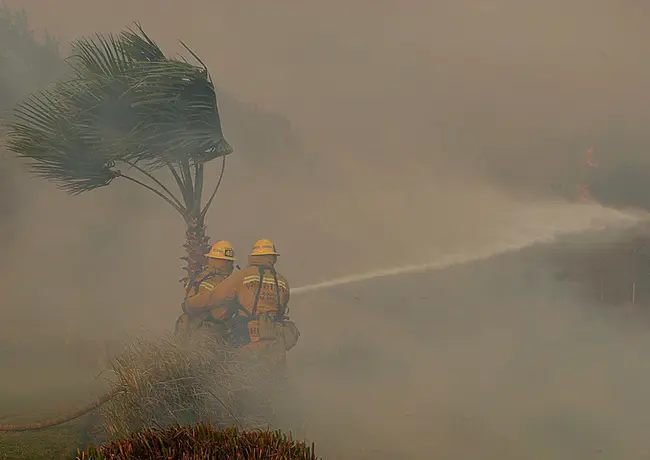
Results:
202 441
175 381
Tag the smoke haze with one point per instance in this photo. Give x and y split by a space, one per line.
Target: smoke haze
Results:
369 135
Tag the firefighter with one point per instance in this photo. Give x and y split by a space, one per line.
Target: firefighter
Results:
260 295
219 266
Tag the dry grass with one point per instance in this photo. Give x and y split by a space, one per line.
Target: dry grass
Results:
170 381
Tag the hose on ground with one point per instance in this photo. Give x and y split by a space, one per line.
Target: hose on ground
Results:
60 420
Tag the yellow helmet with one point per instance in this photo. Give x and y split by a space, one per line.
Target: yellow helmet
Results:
221 250
264 248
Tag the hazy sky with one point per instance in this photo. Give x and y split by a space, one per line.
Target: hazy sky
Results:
418 128
506 84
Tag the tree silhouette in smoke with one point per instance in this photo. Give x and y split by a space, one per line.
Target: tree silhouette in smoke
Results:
25 65
127 111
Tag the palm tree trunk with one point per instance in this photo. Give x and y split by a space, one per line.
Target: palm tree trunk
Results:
196 245
196 242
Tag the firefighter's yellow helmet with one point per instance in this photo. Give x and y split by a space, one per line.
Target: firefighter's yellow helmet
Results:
264 248
221 250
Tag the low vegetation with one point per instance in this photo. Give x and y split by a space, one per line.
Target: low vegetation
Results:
170 381
169 394
202 441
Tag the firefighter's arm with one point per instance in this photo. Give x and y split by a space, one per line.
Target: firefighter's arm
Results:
286 297
291 332
225 292
198 302
201 300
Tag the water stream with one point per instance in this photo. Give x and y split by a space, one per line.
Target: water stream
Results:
597 218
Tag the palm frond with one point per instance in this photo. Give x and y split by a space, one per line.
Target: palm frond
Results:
195 56
179 117
126 102
102 56
46 132
139 46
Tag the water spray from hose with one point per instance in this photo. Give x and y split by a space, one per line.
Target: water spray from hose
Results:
608 218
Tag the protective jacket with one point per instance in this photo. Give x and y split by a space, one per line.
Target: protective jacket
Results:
258 297
197 311
198 293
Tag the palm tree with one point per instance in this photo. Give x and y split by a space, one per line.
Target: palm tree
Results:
127 112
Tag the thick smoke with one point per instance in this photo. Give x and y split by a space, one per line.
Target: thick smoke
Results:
374 134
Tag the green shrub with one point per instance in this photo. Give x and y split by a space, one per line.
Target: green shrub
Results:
202 441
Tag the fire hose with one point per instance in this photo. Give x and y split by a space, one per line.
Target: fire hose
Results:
63 419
